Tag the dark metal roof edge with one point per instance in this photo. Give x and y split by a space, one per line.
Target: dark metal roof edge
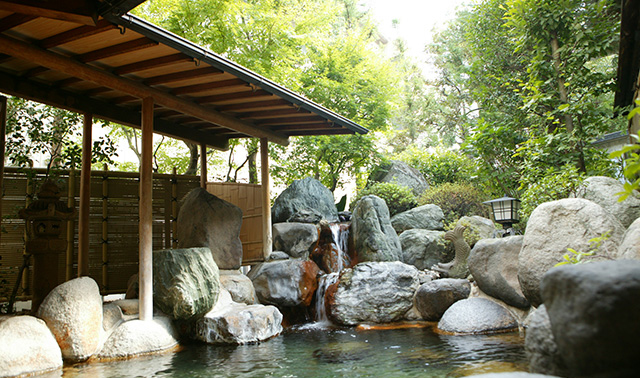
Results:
198 52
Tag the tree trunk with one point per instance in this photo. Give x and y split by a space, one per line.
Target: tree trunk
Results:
253 168
194 156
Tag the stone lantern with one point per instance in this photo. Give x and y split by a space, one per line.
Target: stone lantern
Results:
43 221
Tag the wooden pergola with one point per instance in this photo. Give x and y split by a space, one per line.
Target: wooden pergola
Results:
91 57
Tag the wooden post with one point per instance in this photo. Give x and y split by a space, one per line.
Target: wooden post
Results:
203 166
266 197
105 228
145 264
26 279
174 209
3 131
71 202
85 197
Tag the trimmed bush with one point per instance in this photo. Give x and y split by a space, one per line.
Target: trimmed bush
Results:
397 197
456 200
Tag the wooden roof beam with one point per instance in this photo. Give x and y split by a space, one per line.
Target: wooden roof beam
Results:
14 20
182 75
151 63
232 96
76 34
275 113
190 89
79 11
72 67
79 103
288 120
253 105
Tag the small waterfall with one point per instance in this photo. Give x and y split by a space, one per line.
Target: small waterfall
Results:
340 234
323 284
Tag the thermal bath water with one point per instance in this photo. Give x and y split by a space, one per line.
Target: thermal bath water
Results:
311 352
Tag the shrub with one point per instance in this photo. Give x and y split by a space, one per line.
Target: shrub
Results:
456 200
440 166
398 198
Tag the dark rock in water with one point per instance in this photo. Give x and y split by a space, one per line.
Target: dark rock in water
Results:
205 220
402 174
309 199
594 313
285 282
476 315
373 236
541 347
296 239
427 217
424 248
518 374
186 282
555 226
494 266
434 298
374 292
339 353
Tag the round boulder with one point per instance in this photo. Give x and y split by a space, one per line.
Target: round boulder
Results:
374 292
555 226
285 283
424 248
594 310
402 174
207 221
373 235
137 337
304 196
27 347
476 315
476 228
296 239
629 248
239 287
427 217
73 313
494 266
185 282
434 298
604 191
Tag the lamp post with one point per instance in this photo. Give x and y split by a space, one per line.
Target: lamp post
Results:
505 212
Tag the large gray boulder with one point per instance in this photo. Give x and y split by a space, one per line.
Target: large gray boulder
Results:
402 174
555 226
476 228
296 239
304 196
494 266
239 286
185 282
428 217
237 323
205 220
540 346
594 310
424 248
374 292
630 246
73 313
27 347
285 283
373 236
476 315
433 298
604 191
139 337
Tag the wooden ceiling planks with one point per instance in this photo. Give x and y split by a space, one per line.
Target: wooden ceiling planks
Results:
200 92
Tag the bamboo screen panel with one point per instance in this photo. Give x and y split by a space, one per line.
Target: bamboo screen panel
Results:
113 225
247 197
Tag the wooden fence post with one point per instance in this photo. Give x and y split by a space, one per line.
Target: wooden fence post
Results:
266 198
174 209
145 263
3 130
105 228
71 232
27 201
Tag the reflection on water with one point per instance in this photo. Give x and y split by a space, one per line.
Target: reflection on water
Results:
320 353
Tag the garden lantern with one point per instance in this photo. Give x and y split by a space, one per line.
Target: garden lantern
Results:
505 211
44 219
